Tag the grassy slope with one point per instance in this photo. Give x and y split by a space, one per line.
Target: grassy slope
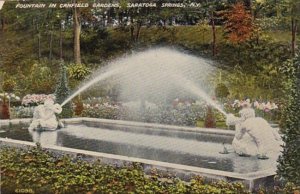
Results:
18 50
193 35
18 47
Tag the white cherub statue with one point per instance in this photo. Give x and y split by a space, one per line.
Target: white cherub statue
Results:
253 135
44 116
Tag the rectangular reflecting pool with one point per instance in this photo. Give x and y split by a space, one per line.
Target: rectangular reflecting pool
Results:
178 145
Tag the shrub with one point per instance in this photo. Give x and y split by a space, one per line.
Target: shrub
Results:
104 111
22 112
9 85
62 92
221 91
78 71
45 172
180 115
40 79
209 121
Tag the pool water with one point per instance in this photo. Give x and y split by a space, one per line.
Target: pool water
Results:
179 147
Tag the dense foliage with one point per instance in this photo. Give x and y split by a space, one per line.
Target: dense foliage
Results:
289 162
44 172
30 40
36 170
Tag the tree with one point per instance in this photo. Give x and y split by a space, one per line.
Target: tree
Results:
137 16
213 26
239 25
62 92
295 15
212 11
76 31
287 12
211 7
81 17
289 161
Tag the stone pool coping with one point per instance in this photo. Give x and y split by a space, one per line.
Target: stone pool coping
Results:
251 180
130 123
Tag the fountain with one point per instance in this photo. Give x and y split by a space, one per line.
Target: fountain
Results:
150 77
192 88
155 73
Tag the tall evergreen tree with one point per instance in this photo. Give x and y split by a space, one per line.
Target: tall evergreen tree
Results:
289 161
239 25
62 92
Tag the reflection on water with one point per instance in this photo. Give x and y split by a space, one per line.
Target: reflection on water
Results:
45 137
177 147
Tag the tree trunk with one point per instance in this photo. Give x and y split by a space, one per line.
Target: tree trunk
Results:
132 29
3 24
214 33
132 32
248 4
138 31
61 42
294 32
39 46
203 35
77 31
51 45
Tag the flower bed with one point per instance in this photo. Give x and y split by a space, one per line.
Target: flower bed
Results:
36 99
105 111
101 108
175 114
265 109
178 112
29 102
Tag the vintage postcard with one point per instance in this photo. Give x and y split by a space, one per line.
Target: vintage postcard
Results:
150 96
